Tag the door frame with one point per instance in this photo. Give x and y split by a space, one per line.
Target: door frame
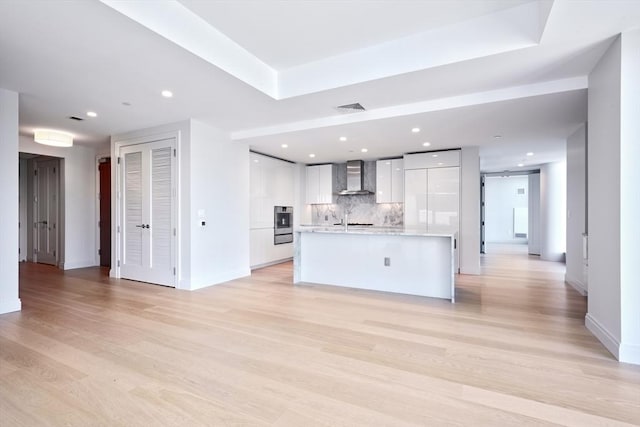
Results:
116 201
97 219
59 203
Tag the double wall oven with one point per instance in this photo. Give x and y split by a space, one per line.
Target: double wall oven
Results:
282 225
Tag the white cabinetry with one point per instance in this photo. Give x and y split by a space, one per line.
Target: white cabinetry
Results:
271 184
389 181
320 184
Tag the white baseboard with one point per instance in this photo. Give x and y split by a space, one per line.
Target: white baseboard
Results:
630 353
267 264
577 285
10 305
604 336
78 264
220 278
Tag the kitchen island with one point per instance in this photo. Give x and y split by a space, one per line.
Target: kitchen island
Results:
381 259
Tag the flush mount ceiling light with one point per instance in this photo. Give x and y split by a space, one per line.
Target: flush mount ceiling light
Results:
53 138
167 93
415 130
92 114
426 144
343 138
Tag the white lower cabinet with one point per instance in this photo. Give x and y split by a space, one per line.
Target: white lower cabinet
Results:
263 251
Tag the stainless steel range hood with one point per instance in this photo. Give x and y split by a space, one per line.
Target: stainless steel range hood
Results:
355 179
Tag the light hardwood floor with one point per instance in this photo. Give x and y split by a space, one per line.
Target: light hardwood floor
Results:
88 350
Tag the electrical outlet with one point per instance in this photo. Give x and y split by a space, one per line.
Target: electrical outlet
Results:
387 261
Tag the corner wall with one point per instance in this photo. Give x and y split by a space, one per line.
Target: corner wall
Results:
219 174
613 199
553 208
9 243
470 210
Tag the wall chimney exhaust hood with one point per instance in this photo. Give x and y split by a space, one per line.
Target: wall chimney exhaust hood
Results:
355 179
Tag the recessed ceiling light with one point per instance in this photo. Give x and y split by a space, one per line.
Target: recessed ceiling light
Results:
387 163
284 145
364 150
312 155
92 114
440 164
256 160
530 153
434 155
343 138
520 165
426 144
497 136
167 93
126 104
415 130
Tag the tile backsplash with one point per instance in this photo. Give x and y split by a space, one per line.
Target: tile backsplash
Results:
360 208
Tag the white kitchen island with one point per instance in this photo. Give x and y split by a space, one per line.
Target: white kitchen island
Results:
419 263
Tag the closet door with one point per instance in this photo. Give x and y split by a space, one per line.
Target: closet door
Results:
148 212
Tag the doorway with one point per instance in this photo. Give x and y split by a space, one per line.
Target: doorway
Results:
505 213
147 249
104 199
41 224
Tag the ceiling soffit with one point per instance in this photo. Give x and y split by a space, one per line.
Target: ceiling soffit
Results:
506 30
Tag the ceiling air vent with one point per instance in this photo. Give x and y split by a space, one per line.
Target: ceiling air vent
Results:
76 118
350 108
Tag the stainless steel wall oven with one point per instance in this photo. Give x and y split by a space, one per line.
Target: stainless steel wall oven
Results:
282 225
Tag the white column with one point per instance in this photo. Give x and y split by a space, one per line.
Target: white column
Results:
470 211
9 300
553 207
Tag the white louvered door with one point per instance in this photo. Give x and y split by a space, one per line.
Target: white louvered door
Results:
147 240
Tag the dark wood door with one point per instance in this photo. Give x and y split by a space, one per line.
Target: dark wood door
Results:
105 212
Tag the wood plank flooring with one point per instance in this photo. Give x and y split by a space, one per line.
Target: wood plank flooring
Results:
91 351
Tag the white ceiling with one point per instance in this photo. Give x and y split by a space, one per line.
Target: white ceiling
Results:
66 58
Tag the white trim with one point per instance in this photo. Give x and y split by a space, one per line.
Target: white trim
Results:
630 353
117 221
222 278
580 287
78 264
9 306
267 264
604 336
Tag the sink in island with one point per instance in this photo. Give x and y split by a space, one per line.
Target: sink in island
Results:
381 259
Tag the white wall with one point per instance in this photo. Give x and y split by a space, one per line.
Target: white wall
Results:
630 198
79 213
553 208
501 197
470 211
576 208
219 174
603 316
613 198
9 298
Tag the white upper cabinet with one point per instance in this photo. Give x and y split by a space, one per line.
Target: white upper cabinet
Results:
389 181
320 183
433 159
